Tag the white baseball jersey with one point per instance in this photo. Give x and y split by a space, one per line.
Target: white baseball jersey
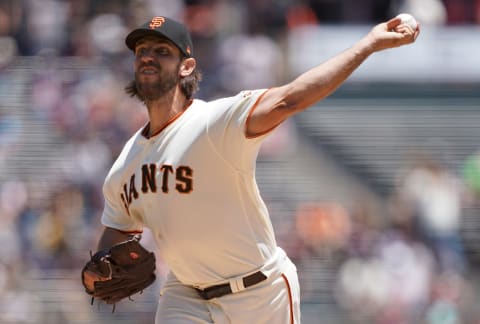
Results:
193 184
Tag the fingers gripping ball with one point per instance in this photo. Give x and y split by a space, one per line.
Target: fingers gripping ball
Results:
409 20
125 269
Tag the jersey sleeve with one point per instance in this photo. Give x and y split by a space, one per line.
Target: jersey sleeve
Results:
115 215
227 128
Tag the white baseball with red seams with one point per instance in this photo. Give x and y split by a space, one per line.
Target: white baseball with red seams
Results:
408 19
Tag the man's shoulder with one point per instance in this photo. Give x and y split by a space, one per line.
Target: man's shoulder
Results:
229 99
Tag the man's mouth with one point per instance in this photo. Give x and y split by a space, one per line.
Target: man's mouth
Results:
148 71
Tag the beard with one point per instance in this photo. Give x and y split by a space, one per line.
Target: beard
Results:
153 90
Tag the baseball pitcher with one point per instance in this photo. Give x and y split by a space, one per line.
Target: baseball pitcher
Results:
189 176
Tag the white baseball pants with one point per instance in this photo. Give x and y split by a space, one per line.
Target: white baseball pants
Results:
273 301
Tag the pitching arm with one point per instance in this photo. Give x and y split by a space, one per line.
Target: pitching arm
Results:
312 86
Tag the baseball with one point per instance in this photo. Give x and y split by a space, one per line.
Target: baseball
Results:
408 19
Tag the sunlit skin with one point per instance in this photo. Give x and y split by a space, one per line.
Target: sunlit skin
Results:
159 66
316 84
156 67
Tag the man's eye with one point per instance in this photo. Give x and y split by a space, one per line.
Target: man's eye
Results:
141 51
161 51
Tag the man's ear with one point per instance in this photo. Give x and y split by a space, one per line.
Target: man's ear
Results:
187 66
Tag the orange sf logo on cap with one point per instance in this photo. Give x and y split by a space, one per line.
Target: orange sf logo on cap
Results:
157 22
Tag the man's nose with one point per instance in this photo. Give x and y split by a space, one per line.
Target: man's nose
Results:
146 56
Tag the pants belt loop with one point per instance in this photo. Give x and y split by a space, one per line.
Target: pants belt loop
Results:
236 285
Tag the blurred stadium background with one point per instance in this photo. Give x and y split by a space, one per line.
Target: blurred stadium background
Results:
374 192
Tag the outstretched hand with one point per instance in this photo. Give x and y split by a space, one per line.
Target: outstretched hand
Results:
392 34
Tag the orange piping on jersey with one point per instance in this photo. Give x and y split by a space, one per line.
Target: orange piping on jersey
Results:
290 299
170 121
250 114
126 232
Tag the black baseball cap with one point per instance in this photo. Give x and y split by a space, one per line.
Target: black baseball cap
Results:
160 26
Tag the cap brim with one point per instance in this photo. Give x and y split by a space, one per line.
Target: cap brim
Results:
132 38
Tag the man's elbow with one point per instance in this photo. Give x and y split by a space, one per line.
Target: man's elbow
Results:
294 100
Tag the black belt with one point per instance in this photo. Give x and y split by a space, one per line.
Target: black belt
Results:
225 289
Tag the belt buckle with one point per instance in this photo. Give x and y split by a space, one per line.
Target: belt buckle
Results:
217 291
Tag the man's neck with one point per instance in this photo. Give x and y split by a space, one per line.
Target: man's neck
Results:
162 110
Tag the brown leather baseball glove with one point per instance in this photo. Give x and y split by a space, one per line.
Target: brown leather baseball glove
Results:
126 269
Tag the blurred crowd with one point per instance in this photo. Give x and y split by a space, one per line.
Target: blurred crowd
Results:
94 27
220 28
406 265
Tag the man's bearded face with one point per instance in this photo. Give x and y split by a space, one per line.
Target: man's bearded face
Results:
153 82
